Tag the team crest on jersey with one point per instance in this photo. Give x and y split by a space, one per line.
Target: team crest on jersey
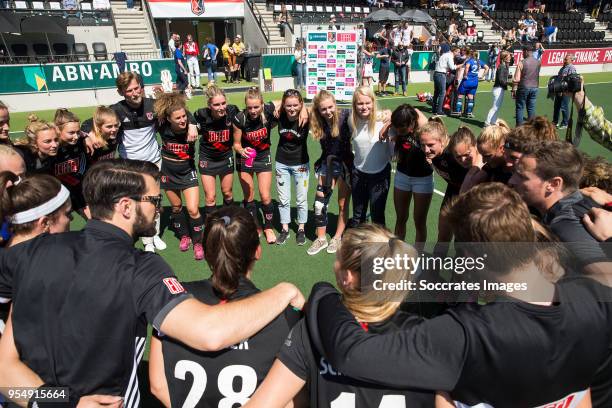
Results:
173 286
150 115
164 179
203 164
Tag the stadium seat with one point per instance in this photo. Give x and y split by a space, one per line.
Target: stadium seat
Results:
81 52
20 53
99 50
55 5
41 52
61 51
38 5
21 5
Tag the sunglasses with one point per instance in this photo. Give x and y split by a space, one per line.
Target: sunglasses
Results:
155 200
291 92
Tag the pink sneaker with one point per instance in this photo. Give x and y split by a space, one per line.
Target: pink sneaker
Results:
198 252
185 243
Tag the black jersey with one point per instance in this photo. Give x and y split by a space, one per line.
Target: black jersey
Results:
410 157
506 354
87 294
230 376
101 153
339 146
497 174
175 145
293 142
332 388
216 135
104 153
255 134
33 163
70 163
447 167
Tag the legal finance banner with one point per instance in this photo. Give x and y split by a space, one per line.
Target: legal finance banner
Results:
331 58
583 56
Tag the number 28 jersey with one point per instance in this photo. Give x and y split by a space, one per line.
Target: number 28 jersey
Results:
229 377
335 390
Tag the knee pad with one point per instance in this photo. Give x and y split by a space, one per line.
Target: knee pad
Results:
320 206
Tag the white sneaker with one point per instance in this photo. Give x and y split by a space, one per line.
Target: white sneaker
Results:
317 246
334 245
149 248
159 244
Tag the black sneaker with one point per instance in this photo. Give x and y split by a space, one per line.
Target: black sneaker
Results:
300 237
282 237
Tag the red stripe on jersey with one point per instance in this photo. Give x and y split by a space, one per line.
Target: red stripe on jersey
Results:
173 285
364 326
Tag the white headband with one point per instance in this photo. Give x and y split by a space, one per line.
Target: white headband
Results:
43 209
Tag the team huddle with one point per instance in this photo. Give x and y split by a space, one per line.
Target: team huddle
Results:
76 305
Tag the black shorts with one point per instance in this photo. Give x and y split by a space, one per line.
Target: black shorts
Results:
383 73
178 175
260 165
216 167
239 59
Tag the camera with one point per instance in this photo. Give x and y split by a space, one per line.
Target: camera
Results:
570 83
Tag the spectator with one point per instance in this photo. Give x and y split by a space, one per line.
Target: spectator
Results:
229 60
488 5
453 31
493 53
384 55
562 101
525 85
548 179
471 33
239 50
499 87
172 43
300 64
444 65
332 23
192 51
539 51
367 64
400 58
510 36
70 6
179 67
550 32
210 52
361 35
531 34
283 20
595 123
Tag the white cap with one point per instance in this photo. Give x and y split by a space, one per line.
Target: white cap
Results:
238 36
332 16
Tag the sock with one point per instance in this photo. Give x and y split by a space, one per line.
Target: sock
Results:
251 207
197 229
179 222
470 106
459 105
227 202
268 213
209 209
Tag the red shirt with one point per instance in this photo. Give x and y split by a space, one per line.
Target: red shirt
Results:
191 49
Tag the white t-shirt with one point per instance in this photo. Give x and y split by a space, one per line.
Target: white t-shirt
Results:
371 155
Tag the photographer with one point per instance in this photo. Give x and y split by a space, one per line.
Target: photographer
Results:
562 100
594 122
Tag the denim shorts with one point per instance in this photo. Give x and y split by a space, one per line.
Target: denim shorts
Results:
423 185
336 169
